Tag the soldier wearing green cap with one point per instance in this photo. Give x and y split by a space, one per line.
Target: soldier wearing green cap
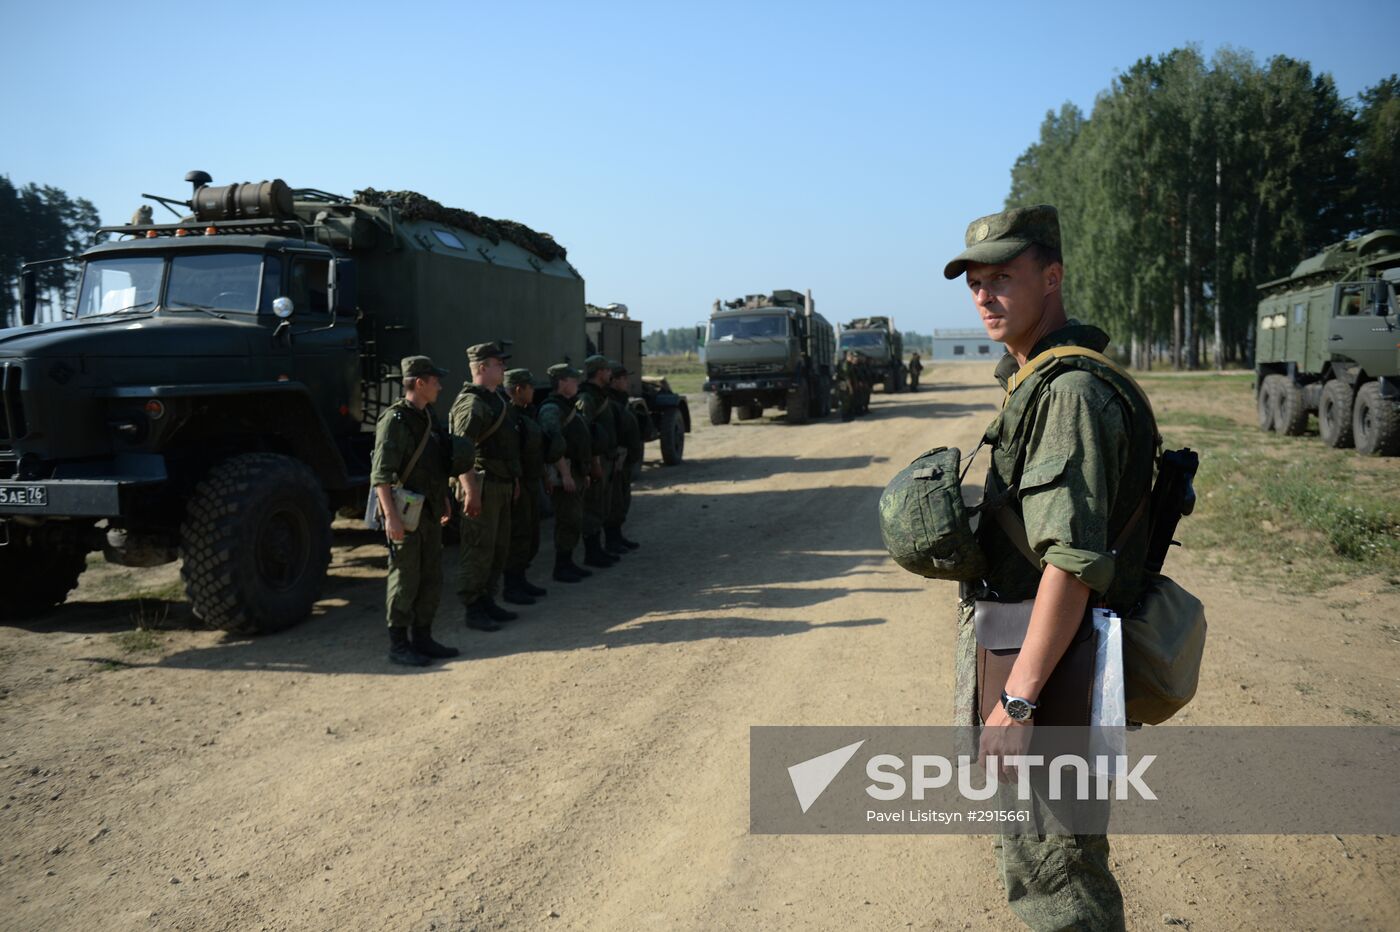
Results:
596 407
481 414
412 450
566 481
630 445
1073 452
535 455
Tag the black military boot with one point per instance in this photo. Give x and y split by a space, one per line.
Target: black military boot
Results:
530 588
629 544
422 641
495 612
565 571
594 554
401 652
514 591
478 619
612 542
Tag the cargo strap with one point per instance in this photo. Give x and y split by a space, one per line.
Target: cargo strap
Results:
1059 352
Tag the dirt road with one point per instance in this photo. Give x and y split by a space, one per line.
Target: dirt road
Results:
587 767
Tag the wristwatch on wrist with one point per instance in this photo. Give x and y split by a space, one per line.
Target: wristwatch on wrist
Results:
1017 709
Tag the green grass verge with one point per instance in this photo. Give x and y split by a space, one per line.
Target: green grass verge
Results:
685 375
1287 508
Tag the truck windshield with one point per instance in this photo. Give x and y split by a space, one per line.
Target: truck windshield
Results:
744 328
862 339
126 283
218 281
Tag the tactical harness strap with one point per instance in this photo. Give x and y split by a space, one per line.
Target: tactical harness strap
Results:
422 445
492 429
1011 524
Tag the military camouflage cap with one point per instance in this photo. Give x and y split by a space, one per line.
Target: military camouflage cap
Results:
419 367
999 238
519 377
595 363
562 370
618 369
484 351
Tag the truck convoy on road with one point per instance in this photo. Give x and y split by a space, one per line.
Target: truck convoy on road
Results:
663 414
1328 341
213 396
883 347
769 351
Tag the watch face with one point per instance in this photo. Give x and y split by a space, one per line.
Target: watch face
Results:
1018 709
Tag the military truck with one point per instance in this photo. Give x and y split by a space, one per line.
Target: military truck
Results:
213 394
1328 341
663 414
769 351
883 346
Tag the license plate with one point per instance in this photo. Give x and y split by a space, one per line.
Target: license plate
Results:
24 496
746 385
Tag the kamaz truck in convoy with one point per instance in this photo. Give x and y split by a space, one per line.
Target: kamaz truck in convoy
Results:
769 351
213 394
1328 341
883 347
663 414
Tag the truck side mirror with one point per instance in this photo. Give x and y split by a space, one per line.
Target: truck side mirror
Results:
340 286
700 336
28 296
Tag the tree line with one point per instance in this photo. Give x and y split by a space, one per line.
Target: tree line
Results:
41 222
1192 182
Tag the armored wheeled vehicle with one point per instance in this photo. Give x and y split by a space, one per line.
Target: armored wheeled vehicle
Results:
883 348
663 414
769 351
213 394
1328 341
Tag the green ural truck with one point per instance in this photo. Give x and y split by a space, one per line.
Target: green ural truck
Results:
663 414
212 397
1328 341
769 351
876 339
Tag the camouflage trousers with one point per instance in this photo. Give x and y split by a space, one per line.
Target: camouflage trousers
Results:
619 497
524 527
414 588
485 542
568 518
595 504
1052 882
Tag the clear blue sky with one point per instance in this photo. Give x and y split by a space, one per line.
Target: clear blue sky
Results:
682 152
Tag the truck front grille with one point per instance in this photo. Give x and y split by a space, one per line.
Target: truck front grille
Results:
734 370
12 423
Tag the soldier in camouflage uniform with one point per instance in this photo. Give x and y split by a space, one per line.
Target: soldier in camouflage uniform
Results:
596 407
415 567
916 366
864 378
630 440
525 513
567 481
1074 451
846 385
480 414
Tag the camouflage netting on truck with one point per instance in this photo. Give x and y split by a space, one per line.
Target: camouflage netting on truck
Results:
414 206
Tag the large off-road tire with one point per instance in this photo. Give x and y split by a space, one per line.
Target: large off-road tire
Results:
890 385
1267 389
797 401
1334 414
672 437
1375 422
255 544
749 412
823 400
35 575
719 411
1290 408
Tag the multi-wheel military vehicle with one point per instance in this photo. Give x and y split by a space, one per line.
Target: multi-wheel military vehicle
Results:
212 396
1328 341
663 414
769 351
882 346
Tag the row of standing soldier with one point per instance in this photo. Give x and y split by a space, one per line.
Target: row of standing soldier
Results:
500 456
